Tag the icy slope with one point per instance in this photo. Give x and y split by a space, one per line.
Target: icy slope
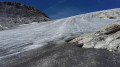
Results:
13 42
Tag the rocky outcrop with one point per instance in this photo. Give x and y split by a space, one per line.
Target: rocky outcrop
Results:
108 14
13 14
111 29
106 38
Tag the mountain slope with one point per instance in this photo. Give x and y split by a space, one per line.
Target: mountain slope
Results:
25 39
13 14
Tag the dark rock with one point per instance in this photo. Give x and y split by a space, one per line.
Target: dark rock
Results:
69 39
80 45
118 38
112 17
112 29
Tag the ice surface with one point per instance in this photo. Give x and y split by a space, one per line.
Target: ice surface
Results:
36 35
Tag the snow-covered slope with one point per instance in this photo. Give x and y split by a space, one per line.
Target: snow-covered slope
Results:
13 42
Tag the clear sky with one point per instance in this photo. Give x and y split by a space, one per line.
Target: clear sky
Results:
57 9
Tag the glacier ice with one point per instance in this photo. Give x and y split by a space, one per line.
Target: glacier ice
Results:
35 35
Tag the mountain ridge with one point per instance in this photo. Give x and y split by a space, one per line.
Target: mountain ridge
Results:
27 8
13 14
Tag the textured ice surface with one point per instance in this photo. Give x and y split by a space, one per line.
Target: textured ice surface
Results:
36 35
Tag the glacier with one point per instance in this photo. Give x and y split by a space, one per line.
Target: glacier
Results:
30 37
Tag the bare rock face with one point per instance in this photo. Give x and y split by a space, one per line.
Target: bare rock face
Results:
13 14
106 38
110 29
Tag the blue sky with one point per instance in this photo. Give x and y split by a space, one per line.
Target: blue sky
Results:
57 9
